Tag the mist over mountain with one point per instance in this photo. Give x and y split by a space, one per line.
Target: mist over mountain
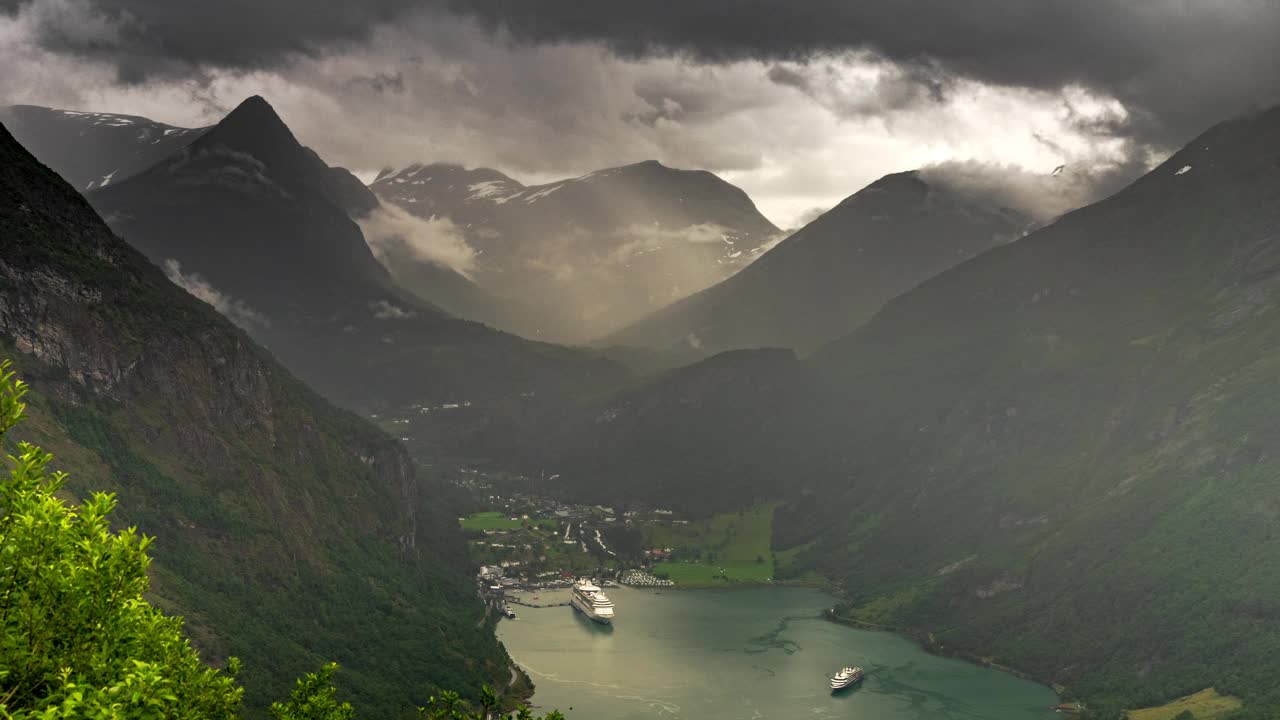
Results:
248 215
247 195
836 272
575 258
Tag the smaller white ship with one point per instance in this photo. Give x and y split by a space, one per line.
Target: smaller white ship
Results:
846 677
590 600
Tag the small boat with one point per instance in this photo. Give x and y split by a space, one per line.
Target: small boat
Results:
846 677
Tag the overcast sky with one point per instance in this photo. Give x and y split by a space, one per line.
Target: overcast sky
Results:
800 102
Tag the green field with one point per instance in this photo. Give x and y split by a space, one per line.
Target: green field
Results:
724 549
1204 705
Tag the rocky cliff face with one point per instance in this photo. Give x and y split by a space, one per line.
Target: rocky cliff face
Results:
65 323
288 532
66 320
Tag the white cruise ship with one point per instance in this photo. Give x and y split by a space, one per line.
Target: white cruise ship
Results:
846 677
591 601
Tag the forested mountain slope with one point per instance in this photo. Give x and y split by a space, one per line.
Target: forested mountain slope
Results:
1060 455
1061 452
289 532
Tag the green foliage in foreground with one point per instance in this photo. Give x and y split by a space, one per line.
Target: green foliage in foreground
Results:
314 699
449 707
81 641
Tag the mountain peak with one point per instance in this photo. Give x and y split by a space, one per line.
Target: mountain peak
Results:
647 166
834 273
905 179
906 185
253 127
254 110
255 102
445 172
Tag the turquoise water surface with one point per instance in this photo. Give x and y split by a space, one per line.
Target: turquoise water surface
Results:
745 654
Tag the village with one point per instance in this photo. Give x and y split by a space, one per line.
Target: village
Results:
526 542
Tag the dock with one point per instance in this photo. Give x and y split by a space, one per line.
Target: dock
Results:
513 601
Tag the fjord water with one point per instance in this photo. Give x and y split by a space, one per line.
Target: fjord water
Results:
762 653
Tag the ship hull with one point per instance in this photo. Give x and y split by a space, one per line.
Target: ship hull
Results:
841 685
590 614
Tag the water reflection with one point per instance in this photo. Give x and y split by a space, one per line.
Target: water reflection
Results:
746 654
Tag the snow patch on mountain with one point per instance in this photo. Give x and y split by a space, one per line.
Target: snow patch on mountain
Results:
542 193
490 189
597 174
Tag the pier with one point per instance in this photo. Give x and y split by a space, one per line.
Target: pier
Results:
513 601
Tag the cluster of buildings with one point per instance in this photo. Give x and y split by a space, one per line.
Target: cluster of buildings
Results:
495 585
580 525
493 580
515 502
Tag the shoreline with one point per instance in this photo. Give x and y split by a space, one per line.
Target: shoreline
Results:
921 640
924 640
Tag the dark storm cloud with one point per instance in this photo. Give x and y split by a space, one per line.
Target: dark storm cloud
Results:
152 38
382 82
1179 65
789 77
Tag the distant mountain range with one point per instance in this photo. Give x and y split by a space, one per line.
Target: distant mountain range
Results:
565 261
289 533
1055 452
1058 456
576 258
92 150
834 273
255 223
